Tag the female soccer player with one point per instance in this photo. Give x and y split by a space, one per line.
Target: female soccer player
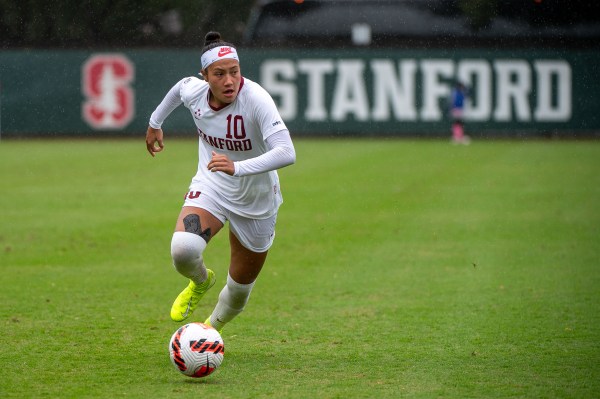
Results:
242 141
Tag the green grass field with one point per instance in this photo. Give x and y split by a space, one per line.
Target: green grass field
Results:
401 268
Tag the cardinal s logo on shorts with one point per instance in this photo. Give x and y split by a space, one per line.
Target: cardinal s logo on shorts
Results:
106 85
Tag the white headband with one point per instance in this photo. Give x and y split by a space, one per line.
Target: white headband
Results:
216 54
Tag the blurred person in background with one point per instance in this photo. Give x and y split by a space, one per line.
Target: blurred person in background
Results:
242 142
458 96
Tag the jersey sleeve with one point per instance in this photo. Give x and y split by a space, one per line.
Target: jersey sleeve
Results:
266 113
280 153
188 88
171 101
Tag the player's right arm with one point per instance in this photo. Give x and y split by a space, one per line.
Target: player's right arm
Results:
154 140
154 133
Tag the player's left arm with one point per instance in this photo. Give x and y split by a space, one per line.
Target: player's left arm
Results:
280 149
281 153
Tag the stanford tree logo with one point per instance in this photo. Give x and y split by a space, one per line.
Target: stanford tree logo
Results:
106 85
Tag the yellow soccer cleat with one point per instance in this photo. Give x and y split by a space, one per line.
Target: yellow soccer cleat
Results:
187 301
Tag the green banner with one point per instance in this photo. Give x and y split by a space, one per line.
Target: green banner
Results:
318 91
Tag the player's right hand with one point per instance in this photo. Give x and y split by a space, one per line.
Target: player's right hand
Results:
154 140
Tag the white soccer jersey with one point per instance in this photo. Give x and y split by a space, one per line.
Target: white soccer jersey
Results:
238 130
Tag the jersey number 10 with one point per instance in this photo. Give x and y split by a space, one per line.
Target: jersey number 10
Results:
239 132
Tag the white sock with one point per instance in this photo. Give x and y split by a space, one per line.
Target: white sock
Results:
232 300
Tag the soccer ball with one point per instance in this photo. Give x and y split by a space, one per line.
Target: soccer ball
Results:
196 350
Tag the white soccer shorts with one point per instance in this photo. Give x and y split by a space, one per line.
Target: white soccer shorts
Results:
256 235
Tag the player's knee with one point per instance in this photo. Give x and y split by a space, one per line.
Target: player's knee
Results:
186 250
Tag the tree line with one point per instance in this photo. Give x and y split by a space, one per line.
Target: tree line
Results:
120 23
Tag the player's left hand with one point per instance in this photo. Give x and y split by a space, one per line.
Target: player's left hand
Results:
221 163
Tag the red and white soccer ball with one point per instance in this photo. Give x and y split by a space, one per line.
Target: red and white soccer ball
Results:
196 350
